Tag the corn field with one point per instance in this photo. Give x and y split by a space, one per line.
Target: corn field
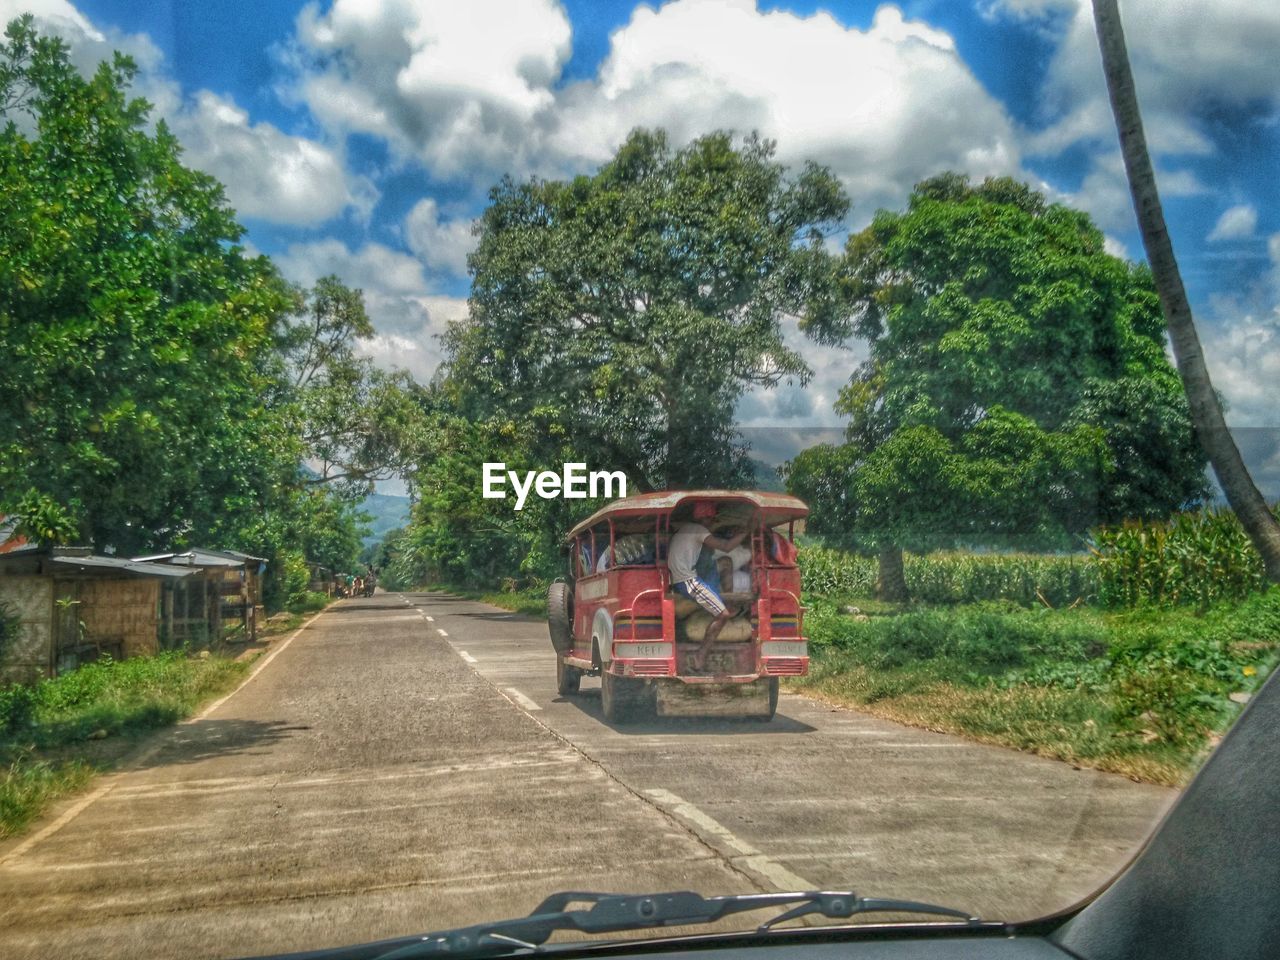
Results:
1197 558
1026 579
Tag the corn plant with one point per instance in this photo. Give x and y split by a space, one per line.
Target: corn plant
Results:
1026 579
1198 557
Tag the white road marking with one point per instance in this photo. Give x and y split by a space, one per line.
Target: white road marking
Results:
777 874
467 657
441 632
521 699
753 859
432 619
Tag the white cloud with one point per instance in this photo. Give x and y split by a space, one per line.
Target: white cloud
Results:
89 46
1241 340
1244 362
373 265
885 106
788 406
1104 192
441 245
267 173
1187 58
1115 247
452 84
1236 223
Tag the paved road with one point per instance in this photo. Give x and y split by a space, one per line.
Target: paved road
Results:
404 762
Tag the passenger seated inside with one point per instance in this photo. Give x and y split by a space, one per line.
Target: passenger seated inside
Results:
634 549
735 569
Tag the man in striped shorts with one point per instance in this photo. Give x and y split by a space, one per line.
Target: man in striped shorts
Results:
682 560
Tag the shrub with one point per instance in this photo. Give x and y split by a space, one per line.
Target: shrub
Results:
311 601
296 578
17 709
983 639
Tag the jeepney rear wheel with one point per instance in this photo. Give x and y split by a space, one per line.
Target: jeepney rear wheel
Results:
560 617
568 679
621 698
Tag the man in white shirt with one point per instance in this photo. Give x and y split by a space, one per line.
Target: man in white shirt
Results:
682 560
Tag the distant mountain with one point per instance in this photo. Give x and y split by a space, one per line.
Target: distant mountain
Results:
386 512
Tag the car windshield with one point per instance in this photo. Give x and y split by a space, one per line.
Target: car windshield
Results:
663 453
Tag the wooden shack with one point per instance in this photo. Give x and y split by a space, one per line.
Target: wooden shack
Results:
255 569
218 602
72 607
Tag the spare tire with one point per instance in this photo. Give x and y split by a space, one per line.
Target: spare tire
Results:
560 617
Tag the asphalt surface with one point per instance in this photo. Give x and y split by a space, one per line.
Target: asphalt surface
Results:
404 763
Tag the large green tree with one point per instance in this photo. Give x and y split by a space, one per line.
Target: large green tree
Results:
1016 392
634 306
136 334
161 386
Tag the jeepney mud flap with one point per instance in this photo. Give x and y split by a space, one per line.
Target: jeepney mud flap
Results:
676 699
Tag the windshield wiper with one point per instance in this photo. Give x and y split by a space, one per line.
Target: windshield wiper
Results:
614 913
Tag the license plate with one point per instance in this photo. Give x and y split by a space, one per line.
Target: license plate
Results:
653 651
785 648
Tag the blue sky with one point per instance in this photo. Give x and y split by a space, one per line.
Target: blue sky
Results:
360 136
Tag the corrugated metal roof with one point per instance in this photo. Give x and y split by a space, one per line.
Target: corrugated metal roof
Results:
243 556
136 567
196 558
778 507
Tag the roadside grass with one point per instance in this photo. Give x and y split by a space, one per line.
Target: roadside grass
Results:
1143 692
56 734
310 602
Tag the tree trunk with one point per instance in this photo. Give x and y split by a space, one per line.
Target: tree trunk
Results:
891 581
1206 412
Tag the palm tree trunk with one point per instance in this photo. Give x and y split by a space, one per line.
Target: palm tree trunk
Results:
1206 412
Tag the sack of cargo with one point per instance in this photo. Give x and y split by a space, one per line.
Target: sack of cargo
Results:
736 630
684 606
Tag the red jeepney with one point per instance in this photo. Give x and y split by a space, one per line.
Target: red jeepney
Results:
617 617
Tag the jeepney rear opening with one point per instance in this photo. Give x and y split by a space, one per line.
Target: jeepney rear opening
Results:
617 615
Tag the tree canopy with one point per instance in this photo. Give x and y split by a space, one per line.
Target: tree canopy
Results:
634 306
1016 392
163 387
134 326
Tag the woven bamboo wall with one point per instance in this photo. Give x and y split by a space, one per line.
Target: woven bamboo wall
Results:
28 657
125 610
